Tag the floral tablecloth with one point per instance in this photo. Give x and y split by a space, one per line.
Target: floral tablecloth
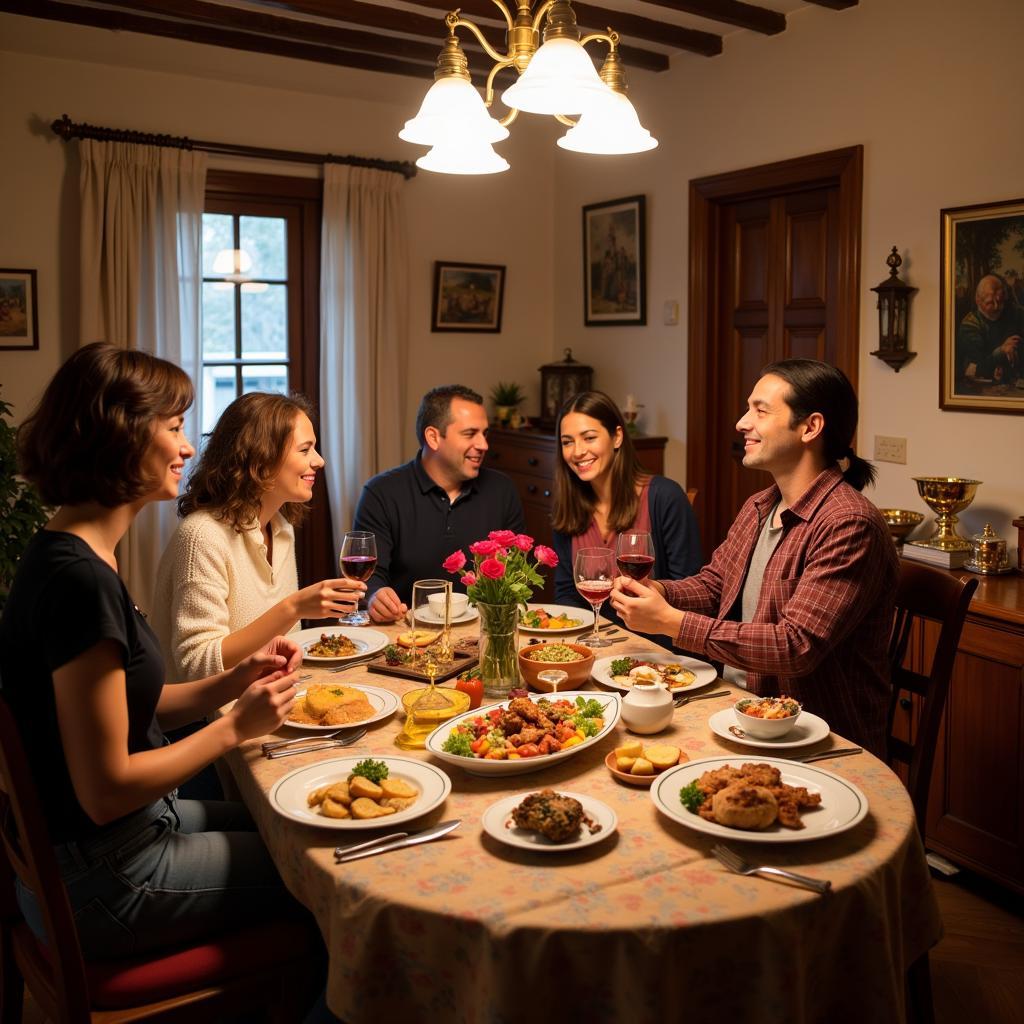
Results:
643 928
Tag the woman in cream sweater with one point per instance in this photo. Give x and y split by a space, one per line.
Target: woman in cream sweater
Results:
227 581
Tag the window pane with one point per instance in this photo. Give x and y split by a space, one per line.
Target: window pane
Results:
265 378
218 320
265 321
217 235
263 238
218 393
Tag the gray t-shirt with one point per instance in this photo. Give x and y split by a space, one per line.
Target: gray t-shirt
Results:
767 541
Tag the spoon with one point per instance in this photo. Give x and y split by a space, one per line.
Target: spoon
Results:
737 731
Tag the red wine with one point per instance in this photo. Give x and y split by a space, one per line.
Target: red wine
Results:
639 567
358 567
594 590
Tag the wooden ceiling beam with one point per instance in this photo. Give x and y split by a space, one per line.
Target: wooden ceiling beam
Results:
835 5
732 12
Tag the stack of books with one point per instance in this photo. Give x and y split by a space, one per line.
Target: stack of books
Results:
934 556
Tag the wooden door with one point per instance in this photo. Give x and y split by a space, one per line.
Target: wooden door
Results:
774 258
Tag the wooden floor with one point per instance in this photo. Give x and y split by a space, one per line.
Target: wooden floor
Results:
977 969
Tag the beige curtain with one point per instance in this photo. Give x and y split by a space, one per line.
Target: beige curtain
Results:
141 280
364 337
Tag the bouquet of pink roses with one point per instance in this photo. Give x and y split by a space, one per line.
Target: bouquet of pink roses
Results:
502 572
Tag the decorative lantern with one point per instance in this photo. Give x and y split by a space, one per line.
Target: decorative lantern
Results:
558 383
893 307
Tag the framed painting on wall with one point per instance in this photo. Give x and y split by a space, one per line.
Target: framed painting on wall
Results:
468 297
614 256
982 312
19 315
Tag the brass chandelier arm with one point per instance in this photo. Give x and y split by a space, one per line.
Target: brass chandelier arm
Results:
489 93
507 14
540 12
563 119
509 118
455 21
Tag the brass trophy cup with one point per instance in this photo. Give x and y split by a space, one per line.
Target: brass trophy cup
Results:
945 496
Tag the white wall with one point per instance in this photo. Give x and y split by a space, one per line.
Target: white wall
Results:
931 89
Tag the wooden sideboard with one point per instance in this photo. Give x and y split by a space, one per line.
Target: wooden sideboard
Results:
976 806
528 457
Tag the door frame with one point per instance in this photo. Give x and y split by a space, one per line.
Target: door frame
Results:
840 168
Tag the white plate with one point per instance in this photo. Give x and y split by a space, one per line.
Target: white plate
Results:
808 729
469 615
288 795
383 702
843 805
704 672
497 822
479 766
367 641
585 615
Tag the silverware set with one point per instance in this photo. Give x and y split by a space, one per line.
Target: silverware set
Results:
306 744
823 755
735 863
680 701
393 841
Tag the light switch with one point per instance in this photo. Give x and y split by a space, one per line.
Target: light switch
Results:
671 312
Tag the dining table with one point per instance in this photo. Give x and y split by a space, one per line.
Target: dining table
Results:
643 927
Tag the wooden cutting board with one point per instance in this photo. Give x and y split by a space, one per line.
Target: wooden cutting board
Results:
463 660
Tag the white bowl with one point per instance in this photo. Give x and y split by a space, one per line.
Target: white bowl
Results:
479 766
763 728
460 602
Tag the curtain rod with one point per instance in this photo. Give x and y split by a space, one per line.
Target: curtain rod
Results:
68 129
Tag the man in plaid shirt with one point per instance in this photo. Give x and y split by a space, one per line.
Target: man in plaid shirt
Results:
799 597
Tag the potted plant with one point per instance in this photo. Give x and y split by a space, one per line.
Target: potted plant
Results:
22 512
506 397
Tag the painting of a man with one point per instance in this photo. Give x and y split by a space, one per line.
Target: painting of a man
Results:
989 345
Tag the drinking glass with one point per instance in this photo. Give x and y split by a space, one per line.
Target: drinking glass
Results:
358 559
594 572
634 555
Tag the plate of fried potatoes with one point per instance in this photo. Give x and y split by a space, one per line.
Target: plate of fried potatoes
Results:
326 794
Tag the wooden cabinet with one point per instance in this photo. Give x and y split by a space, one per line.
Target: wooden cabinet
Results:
528 457
976 805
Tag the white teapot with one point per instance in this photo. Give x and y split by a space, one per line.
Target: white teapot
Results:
647 708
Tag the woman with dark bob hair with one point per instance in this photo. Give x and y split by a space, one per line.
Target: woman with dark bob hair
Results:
601 490
83 676
228 581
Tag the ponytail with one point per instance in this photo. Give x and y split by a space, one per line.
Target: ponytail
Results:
859 472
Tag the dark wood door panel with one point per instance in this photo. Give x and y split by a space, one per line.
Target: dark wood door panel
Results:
805 343
807 259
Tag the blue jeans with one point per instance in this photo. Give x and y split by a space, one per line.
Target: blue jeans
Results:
174 872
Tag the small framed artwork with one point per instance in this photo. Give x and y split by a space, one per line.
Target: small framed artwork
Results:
614 257
19 315
982 313
468 297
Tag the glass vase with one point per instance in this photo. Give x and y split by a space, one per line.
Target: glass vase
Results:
499 649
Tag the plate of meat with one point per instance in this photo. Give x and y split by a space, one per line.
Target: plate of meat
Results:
549 822
526 733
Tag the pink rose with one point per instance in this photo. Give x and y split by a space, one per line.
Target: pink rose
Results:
492 568
503 538
469 580
545 556
454 562
523 542
486 548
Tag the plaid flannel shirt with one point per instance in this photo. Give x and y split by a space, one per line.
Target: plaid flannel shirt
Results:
824 614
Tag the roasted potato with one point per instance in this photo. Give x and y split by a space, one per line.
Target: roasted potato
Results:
364 807
334 809
358 786
641 766
662 756
632 748
399 788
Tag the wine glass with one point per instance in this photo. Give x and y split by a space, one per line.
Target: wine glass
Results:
358 559
634 555
594 572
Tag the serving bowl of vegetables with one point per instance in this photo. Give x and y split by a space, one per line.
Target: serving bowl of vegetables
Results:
525 734
767 718
575 660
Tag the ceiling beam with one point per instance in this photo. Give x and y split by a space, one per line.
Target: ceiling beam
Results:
732 12
835 5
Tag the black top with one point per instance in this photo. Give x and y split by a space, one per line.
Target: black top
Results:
63 601
417 527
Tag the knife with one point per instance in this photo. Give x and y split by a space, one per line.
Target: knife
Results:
340 851
355 664
419 837
823 754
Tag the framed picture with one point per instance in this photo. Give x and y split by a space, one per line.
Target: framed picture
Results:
614 258
468 297
982 357
19 316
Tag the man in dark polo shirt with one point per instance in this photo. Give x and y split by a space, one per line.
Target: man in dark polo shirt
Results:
440 501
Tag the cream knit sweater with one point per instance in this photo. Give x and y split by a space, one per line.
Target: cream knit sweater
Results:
213 581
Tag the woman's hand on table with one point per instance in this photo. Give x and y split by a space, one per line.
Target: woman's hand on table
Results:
264 705
328 599
643 608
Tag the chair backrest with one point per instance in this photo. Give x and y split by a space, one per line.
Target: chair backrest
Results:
924 593
58 981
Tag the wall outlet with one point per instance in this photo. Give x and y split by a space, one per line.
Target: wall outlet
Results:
671 312
891 449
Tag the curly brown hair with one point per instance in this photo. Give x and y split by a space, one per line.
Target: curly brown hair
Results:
86 439
242 457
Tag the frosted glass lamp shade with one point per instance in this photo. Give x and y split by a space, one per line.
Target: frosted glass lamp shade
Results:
232 261
452 110
463 158
608 129
560 79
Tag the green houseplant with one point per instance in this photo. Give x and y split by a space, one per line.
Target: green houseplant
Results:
506 397
22 512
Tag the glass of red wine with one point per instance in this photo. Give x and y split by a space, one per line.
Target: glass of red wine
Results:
594 572
634 555
358 561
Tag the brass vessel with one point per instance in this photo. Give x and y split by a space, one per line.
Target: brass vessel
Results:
988 556
901 522
945 496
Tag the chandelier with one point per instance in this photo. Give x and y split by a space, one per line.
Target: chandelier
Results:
556 78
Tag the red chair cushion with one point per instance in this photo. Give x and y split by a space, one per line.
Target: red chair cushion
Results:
123 983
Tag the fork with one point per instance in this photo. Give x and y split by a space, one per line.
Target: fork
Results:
735 863
300 740
680 701
344 741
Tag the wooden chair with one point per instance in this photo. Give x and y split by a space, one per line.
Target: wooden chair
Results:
271 969
923 593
